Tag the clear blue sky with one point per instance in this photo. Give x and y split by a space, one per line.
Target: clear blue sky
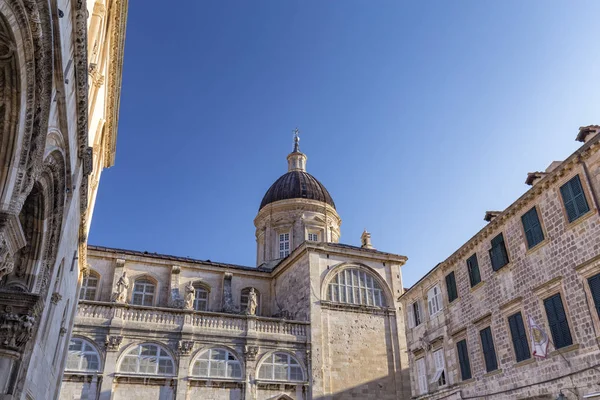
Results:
417 116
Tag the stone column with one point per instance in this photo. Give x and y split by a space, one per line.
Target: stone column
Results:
227 293
112 344
250 353
175 299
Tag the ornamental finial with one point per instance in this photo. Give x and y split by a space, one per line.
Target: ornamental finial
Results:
296 140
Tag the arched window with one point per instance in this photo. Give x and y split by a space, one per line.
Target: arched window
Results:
281 367
89 286
143 292
355 286
244 299
148 359
217 363
82 356
200 297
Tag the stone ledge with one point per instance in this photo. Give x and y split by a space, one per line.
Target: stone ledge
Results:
566 349
492 373
357 308
525 362
145 379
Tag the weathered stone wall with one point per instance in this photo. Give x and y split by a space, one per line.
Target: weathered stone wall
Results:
291 290
214 393
128 391
560 264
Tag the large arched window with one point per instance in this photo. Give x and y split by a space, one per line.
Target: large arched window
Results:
83 356
89 286
281 367
217 363
143 292
355 286
200 297
148 359
244 299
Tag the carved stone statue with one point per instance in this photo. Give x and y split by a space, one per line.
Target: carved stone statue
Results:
6 262
120 294
252 303
190 294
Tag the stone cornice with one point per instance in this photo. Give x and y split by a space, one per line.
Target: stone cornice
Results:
583 153
117 23
297 205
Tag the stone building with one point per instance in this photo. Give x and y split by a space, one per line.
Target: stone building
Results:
467 328
59 103
315 319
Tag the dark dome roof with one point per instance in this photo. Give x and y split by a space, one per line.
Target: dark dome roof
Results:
297 185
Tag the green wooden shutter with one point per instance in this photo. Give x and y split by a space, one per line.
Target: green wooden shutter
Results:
594 283
489 353
532 227
451 287
557 320
463 359
473 267
519 337
574 199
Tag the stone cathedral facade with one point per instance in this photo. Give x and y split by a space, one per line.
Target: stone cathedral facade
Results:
314 319
60 80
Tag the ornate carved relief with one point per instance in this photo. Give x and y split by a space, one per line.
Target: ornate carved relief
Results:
15 330
56 297
112 343
250 352
184 347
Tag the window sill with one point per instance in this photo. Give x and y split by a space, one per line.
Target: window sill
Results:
525 362
492 373
580 219
329 305
504 269
536 247
565 349
467 381
477 286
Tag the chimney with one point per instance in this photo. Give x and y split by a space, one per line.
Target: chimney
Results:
586 133
534 177
365 240
490 215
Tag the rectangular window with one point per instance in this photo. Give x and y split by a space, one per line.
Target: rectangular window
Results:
434 300
463 360
574 199
440 374
519 337
313 237
532 228
422 375
498 254
557 320
473 267
284 245
414 314
594 283
489 352
451 287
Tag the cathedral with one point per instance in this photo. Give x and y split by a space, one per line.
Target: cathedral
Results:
313 319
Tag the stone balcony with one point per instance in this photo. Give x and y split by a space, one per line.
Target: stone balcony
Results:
126 316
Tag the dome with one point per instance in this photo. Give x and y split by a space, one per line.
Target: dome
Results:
297 184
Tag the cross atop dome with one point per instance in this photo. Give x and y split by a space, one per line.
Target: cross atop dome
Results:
296 140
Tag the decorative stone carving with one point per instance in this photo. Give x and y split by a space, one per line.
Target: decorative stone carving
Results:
252 303
250 352
62 331
56 297
227 294
120 293
15 330
7 263
113 343
190 293
184 347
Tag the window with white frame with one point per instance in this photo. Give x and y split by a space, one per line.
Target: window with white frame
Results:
355 286
434 300
281 367
422 375
143 292
284 245
414 314
89 286
82 356
147 359
200 298
439 376
217 363
313 236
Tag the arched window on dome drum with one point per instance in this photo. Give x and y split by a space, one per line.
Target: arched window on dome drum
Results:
281 367
89 286
82 356
149 359
355 286
217 363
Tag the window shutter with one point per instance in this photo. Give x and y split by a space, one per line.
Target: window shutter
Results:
411 316
519 337
451 287
473 267
489 353
463 359
557 320
594 283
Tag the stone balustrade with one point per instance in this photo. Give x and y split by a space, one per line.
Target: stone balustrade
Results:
96 313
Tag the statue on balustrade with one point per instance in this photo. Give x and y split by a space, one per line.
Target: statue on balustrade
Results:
120 294
190 294
252 303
